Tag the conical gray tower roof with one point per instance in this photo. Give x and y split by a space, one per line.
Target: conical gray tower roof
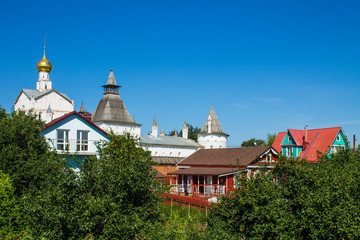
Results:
111 108
82 108
215 124
111 79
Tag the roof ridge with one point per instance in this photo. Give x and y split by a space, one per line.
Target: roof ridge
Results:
59 119
312 141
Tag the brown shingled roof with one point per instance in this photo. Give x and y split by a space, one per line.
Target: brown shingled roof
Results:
204 171
224 156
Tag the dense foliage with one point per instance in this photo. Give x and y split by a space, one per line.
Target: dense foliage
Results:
296 200
253 142
116 196
41 196
192 132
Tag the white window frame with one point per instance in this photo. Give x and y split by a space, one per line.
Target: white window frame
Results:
268 158
335 148
62 142
82 145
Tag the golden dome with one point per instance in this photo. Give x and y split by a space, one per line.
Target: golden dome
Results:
44 64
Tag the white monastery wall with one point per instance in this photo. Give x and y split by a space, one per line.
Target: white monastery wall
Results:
121 129
212 141
169 151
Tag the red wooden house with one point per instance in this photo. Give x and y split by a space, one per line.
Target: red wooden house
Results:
213 171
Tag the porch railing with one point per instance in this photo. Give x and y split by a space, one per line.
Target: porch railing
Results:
215 189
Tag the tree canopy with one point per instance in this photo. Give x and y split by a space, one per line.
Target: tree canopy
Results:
111 196
296 200
252 142
192 134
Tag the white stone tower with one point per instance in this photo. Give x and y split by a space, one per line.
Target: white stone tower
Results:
111 113
212 135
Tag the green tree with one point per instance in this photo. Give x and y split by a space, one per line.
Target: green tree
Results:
270 139
296 200
9 210
252 142
192 134
24 154
117 192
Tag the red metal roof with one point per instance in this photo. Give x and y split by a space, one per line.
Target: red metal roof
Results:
277 142
59 119
297 135
319 140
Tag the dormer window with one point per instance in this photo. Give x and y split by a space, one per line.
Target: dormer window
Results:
268 158
289 138
338 138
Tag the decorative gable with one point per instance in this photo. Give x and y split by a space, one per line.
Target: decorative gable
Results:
288 139
340 142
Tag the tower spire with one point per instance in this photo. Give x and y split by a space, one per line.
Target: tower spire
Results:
44 67
44 46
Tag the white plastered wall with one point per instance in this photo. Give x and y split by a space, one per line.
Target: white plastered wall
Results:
58 104
212 141
121 129
169 151
73 126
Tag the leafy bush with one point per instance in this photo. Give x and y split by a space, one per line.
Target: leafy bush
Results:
296 200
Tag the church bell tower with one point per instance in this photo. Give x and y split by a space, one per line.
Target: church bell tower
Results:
44 67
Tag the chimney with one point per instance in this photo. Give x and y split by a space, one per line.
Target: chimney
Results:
354 142
306 133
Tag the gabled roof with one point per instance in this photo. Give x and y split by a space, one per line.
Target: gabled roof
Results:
224 156
168 141
62 118
278 140
215 124
319 139
297 135
37 94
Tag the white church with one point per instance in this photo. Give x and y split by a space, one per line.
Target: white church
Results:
44 101
112 115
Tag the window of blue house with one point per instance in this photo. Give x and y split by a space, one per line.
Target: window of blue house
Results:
62 139
82 141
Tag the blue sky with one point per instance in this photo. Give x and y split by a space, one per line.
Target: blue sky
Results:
266 66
